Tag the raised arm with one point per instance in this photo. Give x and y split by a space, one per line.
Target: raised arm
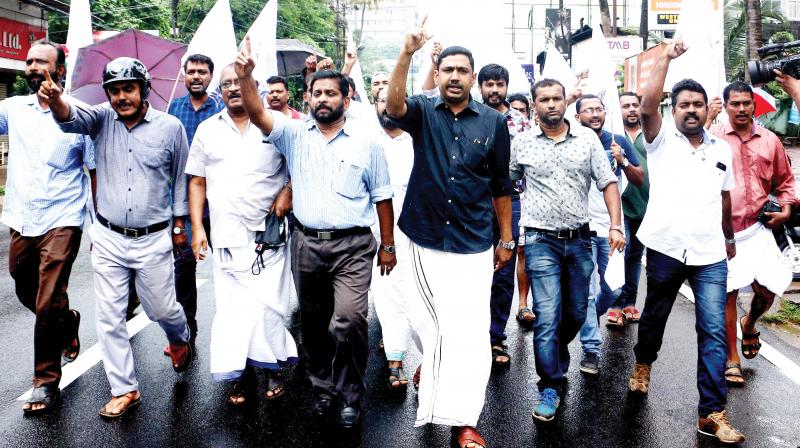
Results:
244 66
651 118
50 93
396 99
430 83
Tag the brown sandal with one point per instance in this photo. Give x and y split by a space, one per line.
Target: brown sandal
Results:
750 351
73 347
466 435
131 400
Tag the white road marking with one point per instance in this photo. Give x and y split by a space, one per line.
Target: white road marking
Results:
784 364
92 356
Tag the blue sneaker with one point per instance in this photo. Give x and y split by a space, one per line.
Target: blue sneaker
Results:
546 405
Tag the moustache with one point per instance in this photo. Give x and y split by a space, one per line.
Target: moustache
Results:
234 95
691 115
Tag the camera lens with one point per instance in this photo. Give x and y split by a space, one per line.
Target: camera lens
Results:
760 72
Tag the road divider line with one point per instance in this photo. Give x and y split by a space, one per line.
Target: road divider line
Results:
89 358
784 364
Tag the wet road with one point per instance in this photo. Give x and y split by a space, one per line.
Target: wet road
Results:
189 409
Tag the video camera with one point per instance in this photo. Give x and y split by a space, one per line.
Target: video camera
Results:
761 72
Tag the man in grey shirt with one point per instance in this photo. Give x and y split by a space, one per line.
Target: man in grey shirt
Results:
141 154
559 160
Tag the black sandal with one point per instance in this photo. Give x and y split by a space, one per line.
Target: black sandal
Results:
733 374
750 351
239 390
49 395
275 385
73 347
498 351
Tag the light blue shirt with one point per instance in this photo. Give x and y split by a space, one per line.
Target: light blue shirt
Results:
47 186
334 183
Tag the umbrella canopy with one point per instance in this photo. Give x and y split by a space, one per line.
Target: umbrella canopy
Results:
765 103
292 55
162 58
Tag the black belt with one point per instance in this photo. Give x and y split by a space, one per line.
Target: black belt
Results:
132 232
333 233
569 234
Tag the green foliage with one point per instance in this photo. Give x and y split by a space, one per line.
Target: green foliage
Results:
788 314
782 37
2 190
735 37
20 86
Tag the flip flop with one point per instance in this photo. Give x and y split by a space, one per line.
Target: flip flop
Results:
631 314
466 434
615 319
525 315
397 375
104 412
275 385
498 351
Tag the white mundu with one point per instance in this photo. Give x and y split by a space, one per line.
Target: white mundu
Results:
758 259
243 177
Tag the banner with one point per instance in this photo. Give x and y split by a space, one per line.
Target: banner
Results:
215 39
79 35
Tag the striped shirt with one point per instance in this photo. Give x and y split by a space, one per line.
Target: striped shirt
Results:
135 167
46 186
334 182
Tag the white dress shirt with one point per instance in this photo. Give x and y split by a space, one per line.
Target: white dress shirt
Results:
244 175
684 213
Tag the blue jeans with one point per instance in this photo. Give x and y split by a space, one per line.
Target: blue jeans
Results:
633 264
503 282
665 275
559 272
600 298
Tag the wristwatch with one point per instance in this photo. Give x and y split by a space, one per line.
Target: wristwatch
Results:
625 162
390 248
509 245
178 230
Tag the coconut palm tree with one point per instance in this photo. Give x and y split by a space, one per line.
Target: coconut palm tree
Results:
741 45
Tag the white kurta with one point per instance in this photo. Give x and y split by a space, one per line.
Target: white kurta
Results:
391 292
243 177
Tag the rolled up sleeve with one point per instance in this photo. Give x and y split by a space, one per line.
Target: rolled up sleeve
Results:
601 169
378 183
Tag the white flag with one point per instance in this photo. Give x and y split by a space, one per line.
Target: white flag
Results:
700 28
79 34
262 42
602 80
556 67
215 38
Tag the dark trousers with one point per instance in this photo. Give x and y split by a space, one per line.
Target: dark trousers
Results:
633 264
332 278
503 281
40 267
665 275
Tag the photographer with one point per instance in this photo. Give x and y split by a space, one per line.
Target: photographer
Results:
761 168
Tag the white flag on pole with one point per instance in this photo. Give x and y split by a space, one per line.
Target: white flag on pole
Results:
556 67
79 34
602 81
215 38
262 42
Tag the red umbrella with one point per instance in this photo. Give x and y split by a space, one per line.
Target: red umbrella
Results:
765 103
162 57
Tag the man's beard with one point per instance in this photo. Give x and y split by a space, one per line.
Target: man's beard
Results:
35 80
199 94
547 121
386 122
334 115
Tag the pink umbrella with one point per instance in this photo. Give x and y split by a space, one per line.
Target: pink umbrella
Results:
765 103
162 57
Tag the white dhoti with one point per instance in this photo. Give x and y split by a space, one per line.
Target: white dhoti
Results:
249 326
758 259
390 294
451 316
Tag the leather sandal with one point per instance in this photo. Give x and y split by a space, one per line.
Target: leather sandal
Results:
525 316
465 435
49 395
398 376
733 374
615 319
500 351
275 385
181 356
73 347
749 351
632 314
133 399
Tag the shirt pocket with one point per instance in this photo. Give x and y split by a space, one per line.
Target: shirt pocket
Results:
349 180
154 155
763 167
63 153
474 151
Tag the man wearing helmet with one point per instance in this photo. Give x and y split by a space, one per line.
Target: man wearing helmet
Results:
141 154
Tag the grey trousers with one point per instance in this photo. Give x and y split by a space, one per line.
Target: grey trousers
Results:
115 259
332 278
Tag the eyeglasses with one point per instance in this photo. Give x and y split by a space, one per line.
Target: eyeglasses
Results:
227 85
593 110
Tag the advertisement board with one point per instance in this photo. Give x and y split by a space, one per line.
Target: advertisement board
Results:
663 14
16 38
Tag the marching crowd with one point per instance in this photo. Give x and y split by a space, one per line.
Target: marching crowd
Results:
435 204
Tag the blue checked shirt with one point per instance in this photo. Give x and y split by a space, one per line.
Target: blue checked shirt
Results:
334 183
47 186
182 109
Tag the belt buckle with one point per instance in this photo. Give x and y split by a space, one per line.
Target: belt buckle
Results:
564 234
324 235
130 233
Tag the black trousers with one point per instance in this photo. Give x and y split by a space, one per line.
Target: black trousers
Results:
332 278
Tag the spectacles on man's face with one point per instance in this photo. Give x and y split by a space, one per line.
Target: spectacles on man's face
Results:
227 85
593 110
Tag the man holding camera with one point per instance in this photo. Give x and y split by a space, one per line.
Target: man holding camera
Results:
761 168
